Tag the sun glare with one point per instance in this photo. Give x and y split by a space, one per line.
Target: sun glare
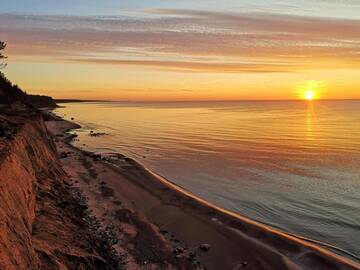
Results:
311 90
309 94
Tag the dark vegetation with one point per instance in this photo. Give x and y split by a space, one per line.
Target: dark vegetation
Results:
68 100
79 100
11 94
2 57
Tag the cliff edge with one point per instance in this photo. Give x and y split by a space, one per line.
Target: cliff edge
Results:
43 221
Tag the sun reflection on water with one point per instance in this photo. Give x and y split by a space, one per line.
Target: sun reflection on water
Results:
310 116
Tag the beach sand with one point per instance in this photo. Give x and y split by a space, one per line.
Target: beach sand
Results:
156 225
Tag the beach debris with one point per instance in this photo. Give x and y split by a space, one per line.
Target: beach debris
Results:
96 157
97 134
117 203
205 247
240 265
179 250
105 158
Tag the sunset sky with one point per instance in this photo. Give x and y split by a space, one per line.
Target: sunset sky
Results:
183 50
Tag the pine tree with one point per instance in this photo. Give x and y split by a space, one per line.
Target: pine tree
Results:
2 57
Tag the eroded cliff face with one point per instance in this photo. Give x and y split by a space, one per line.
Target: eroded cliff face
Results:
24 156
42 223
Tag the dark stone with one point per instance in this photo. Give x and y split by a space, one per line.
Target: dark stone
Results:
63 155
97 134
2 132
63 204
205 247
179 250
83 205
96 157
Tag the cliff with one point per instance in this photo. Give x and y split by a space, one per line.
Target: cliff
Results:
43 222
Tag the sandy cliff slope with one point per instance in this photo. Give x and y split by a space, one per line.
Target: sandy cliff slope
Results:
42 221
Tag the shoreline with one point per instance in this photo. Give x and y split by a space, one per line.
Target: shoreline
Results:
317 244
314 243
277 249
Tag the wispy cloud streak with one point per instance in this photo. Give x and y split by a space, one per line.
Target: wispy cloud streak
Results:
187 40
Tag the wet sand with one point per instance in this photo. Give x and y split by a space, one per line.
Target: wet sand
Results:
157 225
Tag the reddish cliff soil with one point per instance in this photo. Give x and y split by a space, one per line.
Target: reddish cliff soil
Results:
43 224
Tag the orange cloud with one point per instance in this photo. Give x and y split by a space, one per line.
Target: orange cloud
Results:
275 41
194 66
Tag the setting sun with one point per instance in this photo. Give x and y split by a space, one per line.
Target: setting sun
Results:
309 94
311 90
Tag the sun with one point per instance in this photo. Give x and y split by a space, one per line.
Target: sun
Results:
309 95
310 90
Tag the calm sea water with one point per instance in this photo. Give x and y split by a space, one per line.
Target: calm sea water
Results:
292 165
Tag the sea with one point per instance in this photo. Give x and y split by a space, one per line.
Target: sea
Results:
293 165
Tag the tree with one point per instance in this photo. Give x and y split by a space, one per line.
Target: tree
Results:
2 57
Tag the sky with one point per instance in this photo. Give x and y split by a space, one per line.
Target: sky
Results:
183 50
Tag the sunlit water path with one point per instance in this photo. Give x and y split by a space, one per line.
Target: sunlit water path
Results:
292 165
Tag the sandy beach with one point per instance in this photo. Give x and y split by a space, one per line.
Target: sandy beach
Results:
155 224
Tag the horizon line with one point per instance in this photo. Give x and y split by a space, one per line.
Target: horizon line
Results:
61 100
